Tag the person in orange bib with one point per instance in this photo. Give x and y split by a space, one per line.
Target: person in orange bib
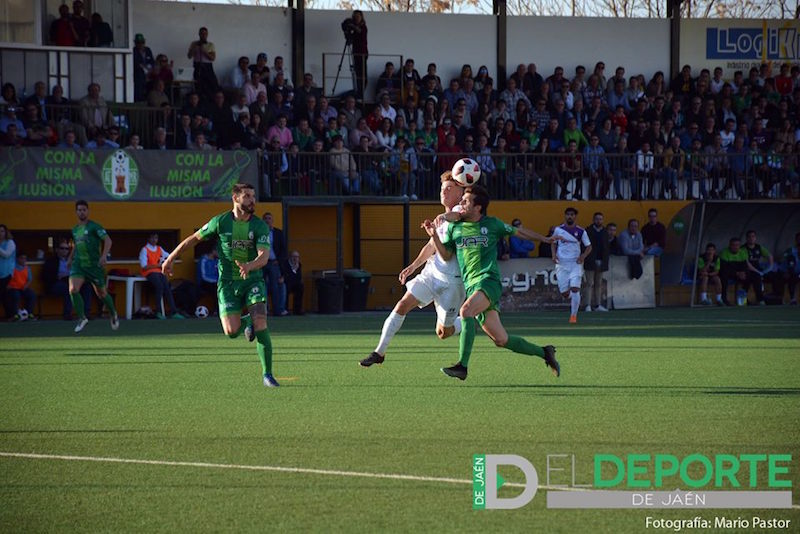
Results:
151 257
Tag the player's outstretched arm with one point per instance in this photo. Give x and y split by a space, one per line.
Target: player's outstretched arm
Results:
190 241
426 252
430 229
450 216
530 235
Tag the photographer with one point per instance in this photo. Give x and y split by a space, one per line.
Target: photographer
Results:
203 54
355 32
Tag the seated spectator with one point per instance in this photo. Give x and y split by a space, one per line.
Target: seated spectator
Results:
571 168
101 142
151 256
292 271
59 111
252 87
19 290
369 165
708 267
261 68
632 246
654 234
10 119
388 81
386 136
37 131
134 143
789 272
8 251
597 168
280 132
69 141
157 97
241 73
734 267
160 140
55 275
208 272
344 173
362 130
94 112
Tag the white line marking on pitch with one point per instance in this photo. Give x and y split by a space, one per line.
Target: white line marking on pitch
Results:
280 469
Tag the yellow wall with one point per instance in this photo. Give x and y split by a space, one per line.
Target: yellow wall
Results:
312 230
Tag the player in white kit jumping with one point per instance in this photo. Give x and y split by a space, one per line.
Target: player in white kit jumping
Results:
439 282
569 260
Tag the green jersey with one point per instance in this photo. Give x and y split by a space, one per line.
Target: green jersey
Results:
475 246
88 239
236 241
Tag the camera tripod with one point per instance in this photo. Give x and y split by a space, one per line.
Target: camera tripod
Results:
346 51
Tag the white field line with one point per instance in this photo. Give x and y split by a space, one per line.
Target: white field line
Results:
273 468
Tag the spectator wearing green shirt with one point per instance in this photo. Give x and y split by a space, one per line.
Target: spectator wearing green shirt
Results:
733 266
573 133
708 265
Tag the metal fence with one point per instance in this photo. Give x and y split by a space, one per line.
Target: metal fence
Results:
534 176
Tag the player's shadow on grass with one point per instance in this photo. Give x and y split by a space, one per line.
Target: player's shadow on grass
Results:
579 390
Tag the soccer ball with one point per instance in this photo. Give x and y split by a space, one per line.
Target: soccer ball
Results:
201 312
466 172
23 314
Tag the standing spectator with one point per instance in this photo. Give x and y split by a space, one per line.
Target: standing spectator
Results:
613 242
789 272
757 256
292 271
55 275
100 34
62 32
8 258
272 271
150 258
596 263
202 53
356 32
143 62
81 24
708 266
631 245
519 248
654 234
19 290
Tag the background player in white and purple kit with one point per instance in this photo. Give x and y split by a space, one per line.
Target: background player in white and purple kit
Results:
568 258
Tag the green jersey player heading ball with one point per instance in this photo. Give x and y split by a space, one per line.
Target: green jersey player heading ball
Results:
243 248
473 236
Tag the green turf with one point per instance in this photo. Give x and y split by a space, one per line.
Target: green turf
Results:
656 381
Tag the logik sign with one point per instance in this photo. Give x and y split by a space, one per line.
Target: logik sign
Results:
486 482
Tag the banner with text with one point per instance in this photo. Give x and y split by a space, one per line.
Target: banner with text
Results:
531 284
137 175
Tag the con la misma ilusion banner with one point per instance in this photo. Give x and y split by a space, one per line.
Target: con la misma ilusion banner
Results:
135 175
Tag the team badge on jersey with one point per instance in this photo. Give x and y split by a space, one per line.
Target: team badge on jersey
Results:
484 230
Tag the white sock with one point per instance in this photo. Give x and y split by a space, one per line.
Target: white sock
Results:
703 296
390 327
574 302
457 326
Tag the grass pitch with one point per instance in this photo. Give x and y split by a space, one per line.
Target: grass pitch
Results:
707 381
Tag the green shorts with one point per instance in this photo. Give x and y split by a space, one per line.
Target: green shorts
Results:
95 274
492 289
233 295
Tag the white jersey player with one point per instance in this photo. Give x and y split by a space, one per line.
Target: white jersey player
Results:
439 282
568 258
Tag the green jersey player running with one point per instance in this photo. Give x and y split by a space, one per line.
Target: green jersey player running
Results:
88 262
473 236
243 248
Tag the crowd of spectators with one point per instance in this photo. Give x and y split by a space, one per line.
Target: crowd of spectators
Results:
588 135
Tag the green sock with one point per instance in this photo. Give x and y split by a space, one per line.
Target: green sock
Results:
109 302
264 343
523 346
77 304
466 339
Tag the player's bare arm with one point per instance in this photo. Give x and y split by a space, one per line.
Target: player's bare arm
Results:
426 252
530 235
430 228
450 216
257 263
555 251
106 250
583 256
190 241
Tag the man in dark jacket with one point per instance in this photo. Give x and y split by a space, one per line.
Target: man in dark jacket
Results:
596 263
55 275
272 272
292 271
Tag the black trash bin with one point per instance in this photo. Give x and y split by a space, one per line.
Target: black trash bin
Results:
356 289
330 291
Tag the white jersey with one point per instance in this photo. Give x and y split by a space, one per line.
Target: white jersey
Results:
569 249
435 265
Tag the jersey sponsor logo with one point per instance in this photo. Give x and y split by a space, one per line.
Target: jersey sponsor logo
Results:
508 228
473 241
241 244
263 239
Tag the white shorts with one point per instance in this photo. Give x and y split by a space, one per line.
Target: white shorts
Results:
447 297
569 275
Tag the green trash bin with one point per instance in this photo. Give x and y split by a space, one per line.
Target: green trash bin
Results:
356 289
330 290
